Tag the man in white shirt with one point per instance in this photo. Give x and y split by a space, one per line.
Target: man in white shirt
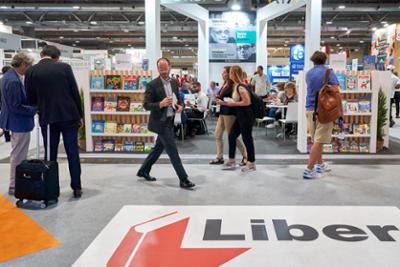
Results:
395 97
260 82
197 109
212 91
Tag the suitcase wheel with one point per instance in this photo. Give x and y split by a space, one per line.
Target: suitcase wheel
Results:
19 203
43 205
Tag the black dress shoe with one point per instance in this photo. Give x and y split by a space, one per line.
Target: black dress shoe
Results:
146 176
186 184
77 193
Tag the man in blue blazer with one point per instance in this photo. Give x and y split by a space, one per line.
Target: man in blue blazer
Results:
16 116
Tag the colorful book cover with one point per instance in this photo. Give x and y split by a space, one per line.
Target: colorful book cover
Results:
352 107
364 148
129 146
119 147
148 147
344 147
136 107
347 128
127 128
364 82
136 128
354 148
130 82
139 146
98 146
364 104
344 105
123 103
363 128
98 126
113 82
336 147
108 145
342 81
97 82
110 127
120 128
142 83
97 103
110 104
143 128
351 82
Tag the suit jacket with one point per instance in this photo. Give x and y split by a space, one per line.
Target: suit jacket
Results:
16 115
154 94
52 87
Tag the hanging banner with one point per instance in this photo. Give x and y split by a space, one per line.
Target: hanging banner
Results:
232 36
10 41
382 46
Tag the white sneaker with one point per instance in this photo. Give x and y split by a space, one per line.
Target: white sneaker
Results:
271 126
1 132
309 174
229 165
322 168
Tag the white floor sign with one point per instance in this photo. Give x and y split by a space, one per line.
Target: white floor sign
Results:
206 236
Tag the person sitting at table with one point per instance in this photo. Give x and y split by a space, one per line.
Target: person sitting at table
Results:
290 96
186 88
276 100
196 110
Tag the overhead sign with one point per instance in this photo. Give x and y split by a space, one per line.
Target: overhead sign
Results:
296 59
232 40
208 236
10 41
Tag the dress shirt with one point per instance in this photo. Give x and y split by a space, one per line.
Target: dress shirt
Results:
168 93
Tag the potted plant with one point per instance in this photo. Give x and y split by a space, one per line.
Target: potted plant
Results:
382 119
82 131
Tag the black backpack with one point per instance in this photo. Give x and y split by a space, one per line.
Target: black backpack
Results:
257 104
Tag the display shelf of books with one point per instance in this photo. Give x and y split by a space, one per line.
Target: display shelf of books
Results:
359 91
117 117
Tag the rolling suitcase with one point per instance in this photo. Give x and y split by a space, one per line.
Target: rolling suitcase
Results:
38 179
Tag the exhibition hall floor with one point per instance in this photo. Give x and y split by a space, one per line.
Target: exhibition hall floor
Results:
249 206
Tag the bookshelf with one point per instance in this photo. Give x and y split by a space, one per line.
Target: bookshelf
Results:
114 112
360 117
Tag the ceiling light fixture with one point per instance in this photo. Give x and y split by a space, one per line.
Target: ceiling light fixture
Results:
76 7
141 22
61 37
77 41
342 7
374 28
361 41
29 22
93 22
76 30
383 22
3 7
236 7
175 38
329 22
333 37
126 30
338 45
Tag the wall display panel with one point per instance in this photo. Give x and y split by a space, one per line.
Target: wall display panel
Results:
232 36
383 44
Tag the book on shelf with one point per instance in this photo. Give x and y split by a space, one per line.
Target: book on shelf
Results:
148 147
110 127
352 106
98 146
364 148
139 146
364 81
364 104
123 103
119 146
108 145
360 128
347 128
129 146
143 128
344 146
98 126
136 107
110 104
97 82
351 81
136 128
354 147
127 128
113 82
342 81
130 82
120 128
97 103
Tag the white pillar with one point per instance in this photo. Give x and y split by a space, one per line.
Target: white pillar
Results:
203 55
313 30
262 53
153 34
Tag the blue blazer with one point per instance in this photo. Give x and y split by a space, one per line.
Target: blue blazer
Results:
16 115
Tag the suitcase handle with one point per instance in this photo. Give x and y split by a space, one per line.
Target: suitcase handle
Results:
38 161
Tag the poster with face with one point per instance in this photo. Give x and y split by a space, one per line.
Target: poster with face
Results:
232 36
382 46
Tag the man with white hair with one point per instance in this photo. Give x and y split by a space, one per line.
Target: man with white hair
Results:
16 115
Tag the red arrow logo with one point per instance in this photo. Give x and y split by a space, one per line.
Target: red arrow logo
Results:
162 247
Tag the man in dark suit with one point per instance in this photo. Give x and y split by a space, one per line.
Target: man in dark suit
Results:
52 87
6 134
162 99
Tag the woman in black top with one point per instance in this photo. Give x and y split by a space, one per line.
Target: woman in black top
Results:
225 122
245 118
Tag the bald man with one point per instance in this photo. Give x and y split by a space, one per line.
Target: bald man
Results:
162 99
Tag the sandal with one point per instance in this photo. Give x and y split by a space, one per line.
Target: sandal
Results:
217 162
243 162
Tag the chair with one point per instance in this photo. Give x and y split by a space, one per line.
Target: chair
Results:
202 121
291 117
265 119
